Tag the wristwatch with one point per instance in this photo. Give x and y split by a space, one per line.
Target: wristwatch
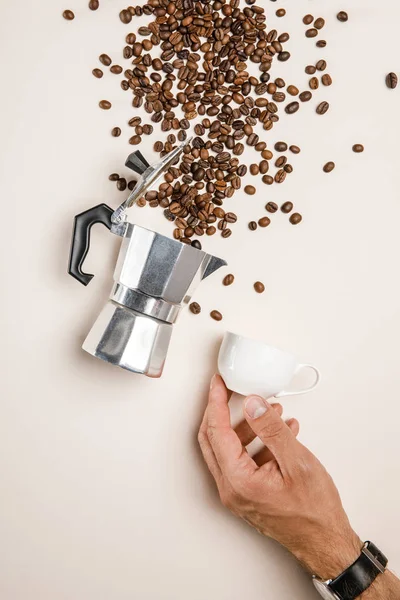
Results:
356 578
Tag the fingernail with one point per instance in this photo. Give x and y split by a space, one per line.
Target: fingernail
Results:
255 407
213 381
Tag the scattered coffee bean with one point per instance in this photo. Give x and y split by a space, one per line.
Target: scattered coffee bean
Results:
228 279
216 315
391 80
321 65
98 73
308 19
292 90
294 149
295 218
321 44
105 104
68 15
94 4
271 207
281 12
250 190
310 33
358 148
342 16
252 225
116 69
264 221
116 132
113 177
125 16
135 140
310 70
195 308
292 108
105 60
329 166
322 108
121 184
281 146
259 287
305 96
314 83
326 79
287 207
319 23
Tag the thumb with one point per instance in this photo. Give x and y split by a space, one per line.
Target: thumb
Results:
270 429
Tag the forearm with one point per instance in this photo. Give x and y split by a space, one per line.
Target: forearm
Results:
385 587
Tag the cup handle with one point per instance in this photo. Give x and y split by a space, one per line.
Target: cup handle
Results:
313 386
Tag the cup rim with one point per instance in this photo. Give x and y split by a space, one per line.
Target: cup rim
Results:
258 342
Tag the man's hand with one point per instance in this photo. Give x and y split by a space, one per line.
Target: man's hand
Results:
283 491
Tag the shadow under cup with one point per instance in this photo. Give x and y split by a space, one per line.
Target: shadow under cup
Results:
252 367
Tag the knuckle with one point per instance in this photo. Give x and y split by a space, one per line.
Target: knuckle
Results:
272 429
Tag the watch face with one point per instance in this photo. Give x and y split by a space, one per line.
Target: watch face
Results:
324 590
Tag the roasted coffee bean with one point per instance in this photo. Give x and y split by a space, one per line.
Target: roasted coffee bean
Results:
314 83
226 233
259 287
281 146
230 217
283 56
98 73
292 90
250 190
305 96
342 16
158 146
121 184
264 167
271 207
391 80
228 279
68 15
329 166
282 160
295 218
287 207
116 69
319 23
105 60
196 244
125 16
292 108
254 169
281 12
322 108
116 132
321 44
264 221
105 104
148 129
310 70
294 149
135 140
113 177
268 179
326 79
310 33
216 315
321 65
252 225
94 4
195 308
358 148
308 19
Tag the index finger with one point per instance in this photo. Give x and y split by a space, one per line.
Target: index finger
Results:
225 443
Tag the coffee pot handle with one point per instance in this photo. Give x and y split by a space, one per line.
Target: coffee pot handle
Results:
81 239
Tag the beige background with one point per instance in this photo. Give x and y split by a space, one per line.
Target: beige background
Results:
103 494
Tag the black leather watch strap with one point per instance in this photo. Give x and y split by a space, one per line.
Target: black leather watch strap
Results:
361 574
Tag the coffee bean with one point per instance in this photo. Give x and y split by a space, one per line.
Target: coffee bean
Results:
228 279
195 308
121 184
94 4
310 70
68 15
105 60
321 65
264 221
314 83
310 33
292 90
135 140
321 44
294 149
292 108
98 73
250 190
113 177
319 23
254 169
116 132
326 79
252 225
287 207
216 315
281 12
329 166
196 244
271 207
259 287
358 148
308 19
391 80
322 108
295 218
264 167
125 16
342 16
105 104
305 96
281 146
268 180
283 56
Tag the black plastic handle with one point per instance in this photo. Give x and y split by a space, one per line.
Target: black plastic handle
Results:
81 239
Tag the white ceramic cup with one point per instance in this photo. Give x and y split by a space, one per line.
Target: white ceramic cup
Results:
252 367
